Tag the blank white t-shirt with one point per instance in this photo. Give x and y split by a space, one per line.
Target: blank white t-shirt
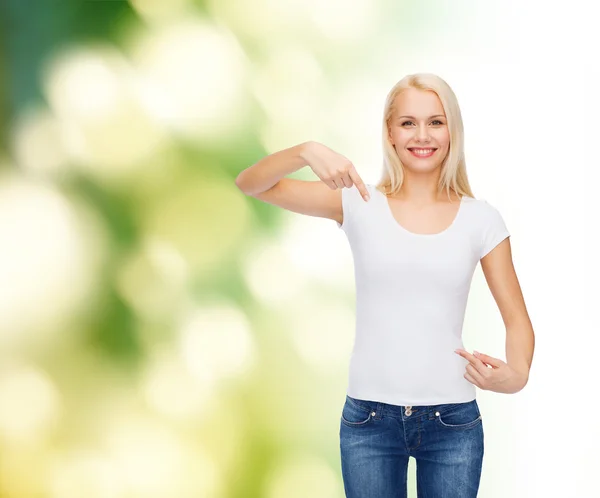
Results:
411 296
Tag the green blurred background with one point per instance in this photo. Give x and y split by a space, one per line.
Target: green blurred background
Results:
161 334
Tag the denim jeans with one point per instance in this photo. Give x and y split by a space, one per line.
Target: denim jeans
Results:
376 440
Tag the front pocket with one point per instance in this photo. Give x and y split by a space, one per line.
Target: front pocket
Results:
459 416
355 416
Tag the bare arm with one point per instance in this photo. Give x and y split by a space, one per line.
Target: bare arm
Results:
264 174
265 180
504 285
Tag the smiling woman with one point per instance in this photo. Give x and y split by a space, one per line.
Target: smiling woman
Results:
415 249
424 137
416 238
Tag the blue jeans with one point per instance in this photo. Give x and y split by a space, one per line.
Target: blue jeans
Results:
376 440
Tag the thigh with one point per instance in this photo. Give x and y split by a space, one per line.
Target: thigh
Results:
449 462
374 462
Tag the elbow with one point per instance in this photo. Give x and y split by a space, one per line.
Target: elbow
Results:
523 380
239 182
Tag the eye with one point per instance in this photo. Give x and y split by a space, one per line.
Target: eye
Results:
434 121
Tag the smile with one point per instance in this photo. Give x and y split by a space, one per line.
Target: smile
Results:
422 152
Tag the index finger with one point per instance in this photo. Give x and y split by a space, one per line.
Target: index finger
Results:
468 356
360 185
476 362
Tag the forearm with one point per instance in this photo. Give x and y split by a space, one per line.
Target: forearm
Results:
265 173
520 344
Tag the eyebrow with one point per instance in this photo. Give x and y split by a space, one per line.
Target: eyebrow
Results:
434 116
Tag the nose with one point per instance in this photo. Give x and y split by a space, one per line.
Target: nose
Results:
423 134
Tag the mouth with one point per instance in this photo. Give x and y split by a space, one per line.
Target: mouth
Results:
418 152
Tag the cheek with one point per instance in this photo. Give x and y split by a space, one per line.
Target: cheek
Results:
444 138
400 136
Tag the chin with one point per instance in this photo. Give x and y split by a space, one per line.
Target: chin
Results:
421 165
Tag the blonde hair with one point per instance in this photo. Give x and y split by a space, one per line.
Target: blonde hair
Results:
454 171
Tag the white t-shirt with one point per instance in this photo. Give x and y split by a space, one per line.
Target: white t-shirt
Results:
411 296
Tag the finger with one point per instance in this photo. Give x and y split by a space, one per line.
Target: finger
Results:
346 180
469 357
360 185
495 362
331 184
466 355
473 360
473 372
472 380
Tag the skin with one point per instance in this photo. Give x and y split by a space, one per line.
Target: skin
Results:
421 174
492 374
418 200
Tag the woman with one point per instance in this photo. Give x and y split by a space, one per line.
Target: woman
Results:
416 238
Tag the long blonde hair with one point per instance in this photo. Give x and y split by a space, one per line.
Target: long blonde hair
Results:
454 171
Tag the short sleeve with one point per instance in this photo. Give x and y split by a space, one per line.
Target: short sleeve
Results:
350 196
494 230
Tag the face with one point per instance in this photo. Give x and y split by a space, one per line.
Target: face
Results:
426 128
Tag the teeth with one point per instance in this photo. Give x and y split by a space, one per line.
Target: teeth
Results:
423 152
